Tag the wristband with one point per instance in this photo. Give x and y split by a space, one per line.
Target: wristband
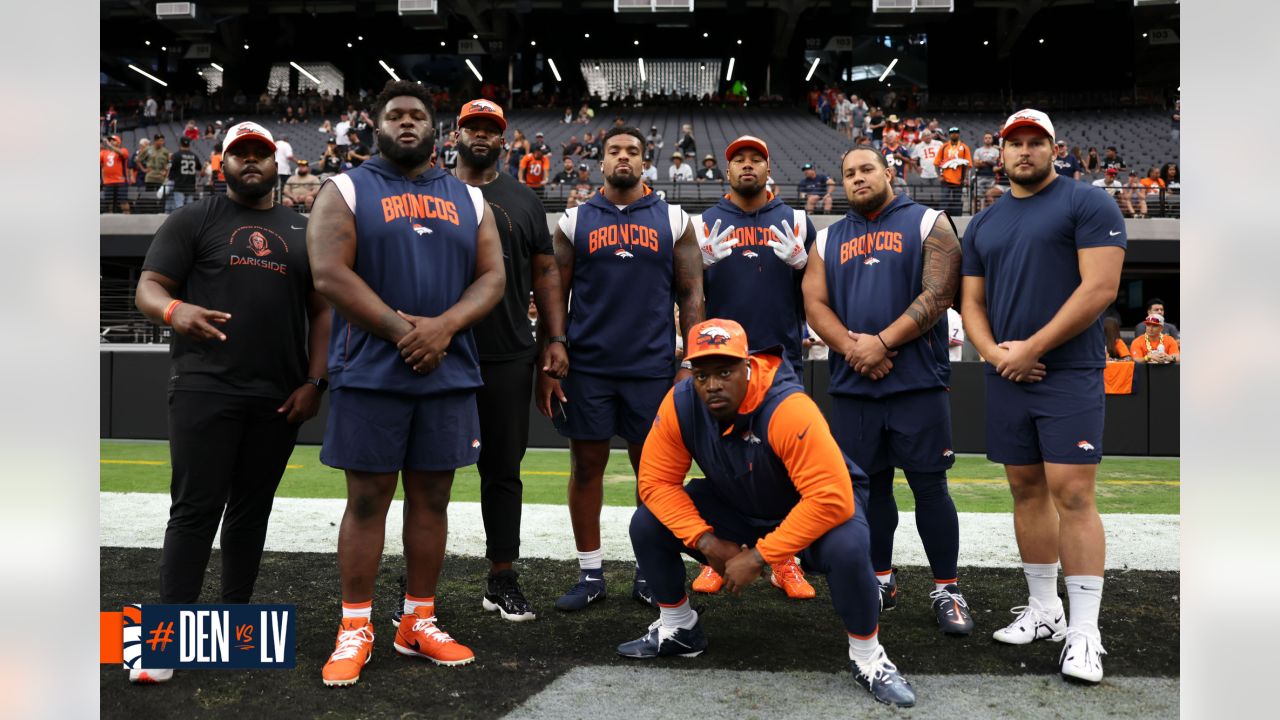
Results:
558 338
168 311
882 342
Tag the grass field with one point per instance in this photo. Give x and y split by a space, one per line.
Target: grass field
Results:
1125 485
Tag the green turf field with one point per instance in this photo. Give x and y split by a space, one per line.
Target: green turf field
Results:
1137 485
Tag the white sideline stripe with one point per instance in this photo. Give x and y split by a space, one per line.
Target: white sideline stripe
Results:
1136 542
628 693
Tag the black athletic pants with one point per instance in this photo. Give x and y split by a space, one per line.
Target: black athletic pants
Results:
503 403
228 453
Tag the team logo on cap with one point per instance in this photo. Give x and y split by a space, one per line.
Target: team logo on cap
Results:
714 335
481 106
258 244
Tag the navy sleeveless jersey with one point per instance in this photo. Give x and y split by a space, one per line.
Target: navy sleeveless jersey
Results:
621 312
416 248
873 271
753 286
1026 248
741 464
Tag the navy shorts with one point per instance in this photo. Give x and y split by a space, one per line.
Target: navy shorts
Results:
383 432
909 430
600 407
1057 420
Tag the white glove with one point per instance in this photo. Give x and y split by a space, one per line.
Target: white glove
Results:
714 245
788 246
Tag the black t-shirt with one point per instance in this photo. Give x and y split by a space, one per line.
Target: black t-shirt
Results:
364 131
591 150
249 263
357 148
449 155
505 334
185 167
330 164
1116 162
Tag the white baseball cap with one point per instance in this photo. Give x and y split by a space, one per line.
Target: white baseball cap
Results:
1025 118
247 130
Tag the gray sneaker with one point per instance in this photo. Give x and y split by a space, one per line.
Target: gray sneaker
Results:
881 678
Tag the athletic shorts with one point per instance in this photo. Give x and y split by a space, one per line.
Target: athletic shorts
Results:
383 432
600 407
908 430
1058 419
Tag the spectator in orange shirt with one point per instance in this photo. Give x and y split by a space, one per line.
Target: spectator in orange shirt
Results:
1116 347
776 485
217 181
1154 346
953 161
113 161
534 169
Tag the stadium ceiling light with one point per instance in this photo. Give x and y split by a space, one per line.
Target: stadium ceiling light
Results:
475 36
147 43
303 70
635 42
888 70
642 76
390 72
146 74
360 38
533 43
246 46
200 73
985 43
729 75
739 42
216 66
441 43
474 71
554 70
348 44
586 35
705 34
1041 41
1144 34
165 49
812 67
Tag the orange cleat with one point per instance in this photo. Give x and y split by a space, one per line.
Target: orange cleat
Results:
788 576
421 638
708 580
351 653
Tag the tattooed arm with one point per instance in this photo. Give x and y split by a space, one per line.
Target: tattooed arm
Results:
688 280
331 247
940 280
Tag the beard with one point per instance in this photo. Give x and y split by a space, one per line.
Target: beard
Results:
251 191
1033 176
407 157
749 190
623 182
479 162
871 203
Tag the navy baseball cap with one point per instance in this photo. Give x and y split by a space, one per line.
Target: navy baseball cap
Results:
807 166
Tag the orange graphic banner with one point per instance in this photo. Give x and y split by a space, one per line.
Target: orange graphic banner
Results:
110 637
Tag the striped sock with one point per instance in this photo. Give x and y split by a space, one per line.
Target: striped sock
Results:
412 603
942 584
357 610
862 647
884 577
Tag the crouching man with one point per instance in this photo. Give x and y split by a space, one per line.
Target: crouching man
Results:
777 485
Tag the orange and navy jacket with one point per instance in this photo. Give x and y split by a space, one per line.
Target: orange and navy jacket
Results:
777 463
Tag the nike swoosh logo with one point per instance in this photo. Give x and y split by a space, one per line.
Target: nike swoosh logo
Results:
806 432
591 579
1114 233
295 227
592 596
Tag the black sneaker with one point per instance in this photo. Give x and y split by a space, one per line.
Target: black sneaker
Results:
889 591
640 591
503 595
881 678
589 588
952 611
664 642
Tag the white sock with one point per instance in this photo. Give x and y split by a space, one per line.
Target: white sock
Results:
591 560
680 615
358 610
411 603
1042 582
861 650
1085 594
885 577
943 585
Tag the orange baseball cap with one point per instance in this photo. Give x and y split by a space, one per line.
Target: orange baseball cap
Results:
746 141
482 109
716 336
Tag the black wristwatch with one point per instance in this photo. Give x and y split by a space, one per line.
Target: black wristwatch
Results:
560 339
321 383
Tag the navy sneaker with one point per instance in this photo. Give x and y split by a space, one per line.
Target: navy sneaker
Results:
663 642
889 591
952 611
589 588
640 591
881 678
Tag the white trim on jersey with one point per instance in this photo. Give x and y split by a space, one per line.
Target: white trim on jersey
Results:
679 221
477 199
568 222
821 243
347 189
927 222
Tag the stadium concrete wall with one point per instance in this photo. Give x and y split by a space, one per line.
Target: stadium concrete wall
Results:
134 405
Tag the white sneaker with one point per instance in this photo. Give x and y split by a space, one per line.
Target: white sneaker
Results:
1034 622
150 676
1082 654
